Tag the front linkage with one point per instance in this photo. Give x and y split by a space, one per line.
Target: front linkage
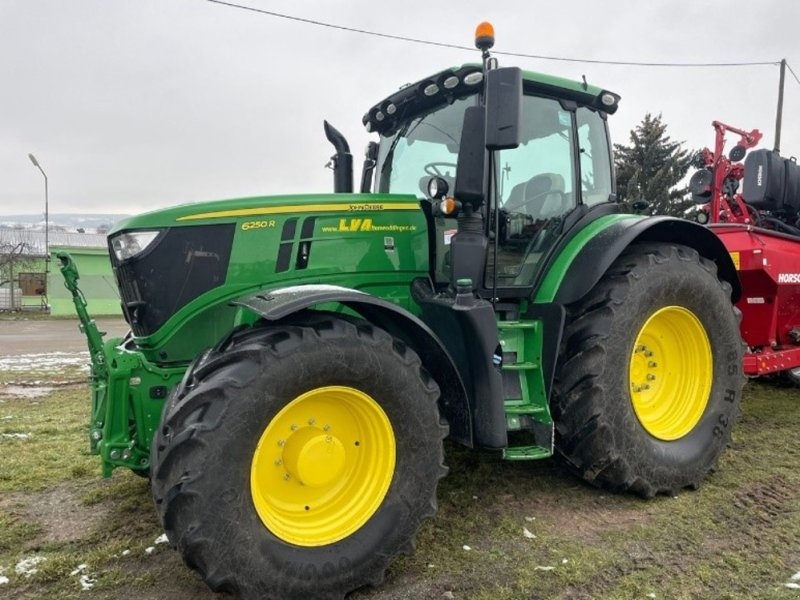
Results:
117 372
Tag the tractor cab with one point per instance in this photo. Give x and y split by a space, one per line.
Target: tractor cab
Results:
525 196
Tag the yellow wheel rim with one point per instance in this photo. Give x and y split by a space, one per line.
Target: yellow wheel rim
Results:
670 373
323 466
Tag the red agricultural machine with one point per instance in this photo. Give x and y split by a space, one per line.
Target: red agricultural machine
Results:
760 227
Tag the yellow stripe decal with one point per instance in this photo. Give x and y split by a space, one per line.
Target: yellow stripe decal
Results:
304 208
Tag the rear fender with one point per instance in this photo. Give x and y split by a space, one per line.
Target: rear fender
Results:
597 255
280 303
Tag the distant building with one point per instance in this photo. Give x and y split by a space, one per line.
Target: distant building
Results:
22 272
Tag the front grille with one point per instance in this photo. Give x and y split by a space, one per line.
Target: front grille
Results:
181 264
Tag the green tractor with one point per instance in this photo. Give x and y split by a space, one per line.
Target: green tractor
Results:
295 362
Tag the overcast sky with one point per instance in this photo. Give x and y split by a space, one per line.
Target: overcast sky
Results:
132 105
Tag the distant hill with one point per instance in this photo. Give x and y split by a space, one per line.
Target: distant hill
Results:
89 223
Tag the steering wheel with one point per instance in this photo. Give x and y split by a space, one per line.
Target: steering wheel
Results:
434 168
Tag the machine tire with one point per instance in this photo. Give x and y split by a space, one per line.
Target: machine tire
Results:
791 376
215 435
599 433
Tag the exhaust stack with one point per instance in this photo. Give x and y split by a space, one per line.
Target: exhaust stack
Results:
341 162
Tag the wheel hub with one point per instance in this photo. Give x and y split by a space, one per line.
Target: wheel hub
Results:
670 373
313 457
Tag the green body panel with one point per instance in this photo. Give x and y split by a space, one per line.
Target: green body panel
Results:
560 82
555 274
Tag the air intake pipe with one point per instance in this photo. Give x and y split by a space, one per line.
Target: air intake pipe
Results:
341 162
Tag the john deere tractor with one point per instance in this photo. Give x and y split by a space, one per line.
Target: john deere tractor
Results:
295 362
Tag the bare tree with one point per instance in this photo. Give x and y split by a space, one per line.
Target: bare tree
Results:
15 256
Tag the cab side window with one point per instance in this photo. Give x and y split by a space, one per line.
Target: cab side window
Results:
595 158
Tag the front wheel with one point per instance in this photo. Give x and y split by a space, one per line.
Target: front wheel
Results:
650 378
298 461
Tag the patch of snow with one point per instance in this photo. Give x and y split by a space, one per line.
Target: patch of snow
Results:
530 519
126 552
24 392
651 595
448 594
474 497
45 361
795 577
528 534
467 548
79 568
3 580
87 582
540 568
792 586
8 418
162 539
149 549
15 436
564 561
27 566
431 565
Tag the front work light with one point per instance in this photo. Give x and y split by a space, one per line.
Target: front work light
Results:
130 243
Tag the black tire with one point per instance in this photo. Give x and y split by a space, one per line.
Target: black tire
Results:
202 456
791 377
143 473
598 432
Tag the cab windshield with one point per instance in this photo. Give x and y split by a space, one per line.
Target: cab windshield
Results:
424 146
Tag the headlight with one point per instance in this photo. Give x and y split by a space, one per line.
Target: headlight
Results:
437 187
129 244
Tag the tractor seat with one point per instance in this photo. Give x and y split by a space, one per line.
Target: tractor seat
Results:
541 196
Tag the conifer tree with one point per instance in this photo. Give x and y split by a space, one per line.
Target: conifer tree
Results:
651 167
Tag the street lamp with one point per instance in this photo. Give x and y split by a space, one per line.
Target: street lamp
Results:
46 223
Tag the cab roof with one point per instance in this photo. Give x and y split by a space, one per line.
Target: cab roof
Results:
451 84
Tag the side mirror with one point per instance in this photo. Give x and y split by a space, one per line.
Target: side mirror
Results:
503 108
370 160
468 188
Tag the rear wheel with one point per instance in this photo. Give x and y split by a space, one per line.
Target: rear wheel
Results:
297 461
650 380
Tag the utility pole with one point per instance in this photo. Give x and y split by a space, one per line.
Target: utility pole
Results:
46 228
779 116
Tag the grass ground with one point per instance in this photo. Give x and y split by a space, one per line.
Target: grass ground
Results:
532 529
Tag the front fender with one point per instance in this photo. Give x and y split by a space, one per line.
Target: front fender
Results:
279 303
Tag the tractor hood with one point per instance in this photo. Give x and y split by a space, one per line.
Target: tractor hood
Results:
259 207
175 261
